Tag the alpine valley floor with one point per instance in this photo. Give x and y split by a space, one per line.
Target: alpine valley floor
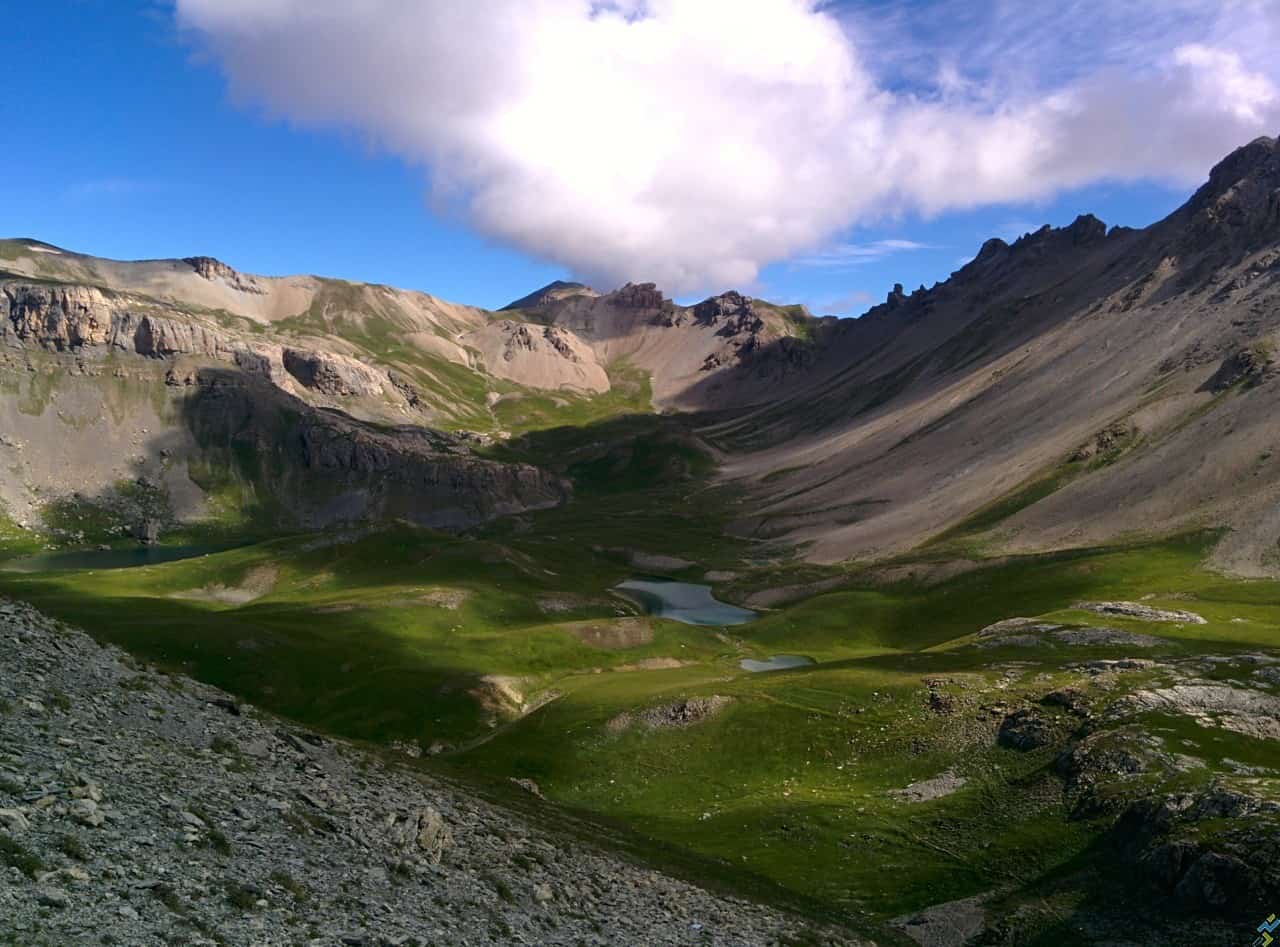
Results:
1060 770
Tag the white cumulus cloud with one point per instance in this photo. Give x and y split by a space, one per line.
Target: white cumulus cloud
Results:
693 141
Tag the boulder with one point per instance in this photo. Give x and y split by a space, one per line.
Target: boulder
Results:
1025 730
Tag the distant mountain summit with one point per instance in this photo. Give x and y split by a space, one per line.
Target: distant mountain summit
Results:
552 292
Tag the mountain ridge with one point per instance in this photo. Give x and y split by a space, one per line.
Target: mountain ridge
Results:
1047 341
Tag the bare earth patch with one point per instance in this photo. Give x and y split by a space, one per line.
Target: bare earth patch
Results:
562 603
258 581
654 664
451 599
614 635
502 698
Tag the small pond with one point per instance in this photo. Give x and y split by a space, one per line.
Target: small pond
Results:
683 601
778 662
79 559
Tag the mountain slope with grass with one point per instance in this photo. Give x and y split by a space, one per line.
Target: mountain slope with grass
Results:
1008 546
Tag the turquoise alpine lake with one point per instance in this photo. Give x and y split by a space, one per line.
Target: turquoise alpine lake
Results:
778 662
683 602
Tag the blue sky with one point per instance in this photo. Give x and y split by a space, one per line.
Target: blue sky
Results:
123 139
121 144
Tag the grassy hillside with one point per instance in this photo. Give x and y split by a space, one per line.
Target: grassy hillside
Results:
488 647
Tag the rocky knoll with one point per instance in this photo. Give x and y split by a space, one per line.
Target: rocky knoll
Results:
141 808
212 269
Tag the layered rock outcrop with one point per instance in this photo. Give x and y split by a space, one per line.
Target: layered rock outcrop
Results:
81 319
60 318
332 374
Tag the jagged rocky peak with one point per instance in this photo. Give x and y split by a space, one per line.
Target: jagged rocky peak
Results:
213 269
638 296
1083 231
733 312
726 304
1241 199
1259 158
991 250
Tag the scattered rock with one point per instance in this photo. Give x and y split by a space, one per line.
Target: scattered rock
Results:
53 897
1031 632
927 789
528 785
1243 710
12 820
1070 699
1140 612
433 836
681 713
953 924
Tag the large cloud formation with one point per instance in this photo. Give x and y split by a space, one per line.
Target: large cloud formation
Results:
693 141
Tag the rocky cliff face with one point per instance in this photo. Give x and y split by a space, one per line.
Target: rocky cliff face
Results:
60 318
324 466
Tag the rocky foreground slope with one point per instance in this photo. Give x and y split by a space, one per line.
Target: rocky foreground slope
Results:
139 808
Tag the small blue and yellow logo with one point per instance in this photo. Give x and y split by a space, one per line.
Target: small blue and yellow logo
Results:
1265 930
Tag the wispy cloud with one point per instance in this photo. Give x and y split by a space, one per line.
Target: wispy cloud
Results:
1011 230
109 187
859 254
853 303
694 141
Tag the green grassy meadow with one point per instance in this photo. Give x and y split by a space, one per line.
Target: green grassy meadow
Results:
392 635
